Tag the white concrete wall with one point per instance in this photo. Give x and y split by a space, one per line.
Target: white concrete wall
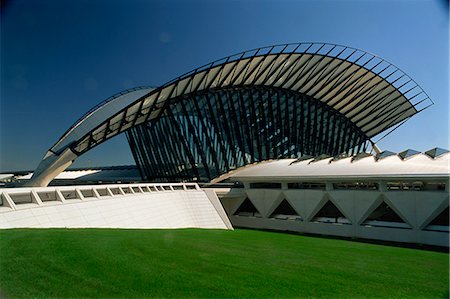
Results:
171 208
416 208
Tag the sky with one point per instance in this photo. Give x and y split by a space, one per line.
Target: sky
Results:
60 58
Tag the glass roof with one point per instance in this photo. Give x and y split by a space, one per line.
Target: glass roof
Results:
408 153
385 154
436 152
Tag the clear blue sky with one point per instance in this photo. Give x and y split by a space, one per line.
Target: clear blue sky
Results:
60 58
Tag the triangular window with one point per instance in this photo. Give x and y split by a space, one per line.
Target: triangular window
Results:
285 211
385 216
329 213
247 209
440 223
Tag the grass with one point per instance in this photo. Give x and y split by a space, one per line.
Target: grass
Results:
211 263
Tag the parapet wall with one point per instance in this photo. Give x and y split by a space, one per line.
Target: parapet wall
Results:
111 206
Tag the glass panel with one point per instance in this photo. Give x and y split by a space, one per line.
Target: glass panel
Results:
355 186
307 185
133 109
265 185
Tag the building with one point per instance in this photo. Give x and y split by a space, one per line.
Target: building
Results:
396 197
307 104
282 101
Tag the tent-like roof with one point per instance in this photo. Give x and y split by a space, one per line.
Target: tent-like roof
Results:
371 92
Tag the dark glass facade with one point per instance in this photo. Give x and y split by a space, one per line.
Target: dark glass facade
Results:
202 135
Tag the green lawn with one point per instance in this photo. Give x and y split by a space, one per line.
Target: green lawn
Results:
211 263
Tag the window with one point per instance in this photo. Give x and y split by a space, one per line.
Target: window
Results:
306 185
355 186
411 186
434 186
265 185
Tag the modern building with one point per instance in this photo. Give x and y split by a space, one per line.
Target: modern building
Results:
313 109
283 101
397 197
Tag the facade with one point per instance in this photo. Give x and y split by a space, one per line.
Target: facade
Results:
396 197
207 134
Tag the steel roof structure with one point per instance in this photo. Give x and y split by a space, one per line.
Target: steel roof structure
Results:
371 95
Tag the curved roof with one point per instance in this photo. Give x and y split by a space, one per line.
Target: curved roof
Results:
98 114
371 92
362 166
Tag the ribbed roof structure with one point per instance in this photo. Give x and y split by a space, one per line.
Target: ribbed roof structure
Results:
371 94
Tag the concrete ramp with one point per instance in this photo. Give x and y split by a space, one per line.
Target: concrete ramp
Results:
145 206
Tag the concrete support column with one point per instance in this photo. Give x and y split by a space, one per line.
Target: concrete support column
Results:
35 198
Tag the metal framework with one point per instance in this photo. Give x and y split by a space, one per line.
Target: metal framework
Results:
371 93
204 135
374 94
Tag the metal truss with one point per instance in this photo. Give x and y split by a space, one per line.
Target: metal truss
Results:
204 135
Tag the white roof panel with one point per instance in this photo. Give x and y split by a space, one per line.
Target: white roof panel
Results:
420 165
